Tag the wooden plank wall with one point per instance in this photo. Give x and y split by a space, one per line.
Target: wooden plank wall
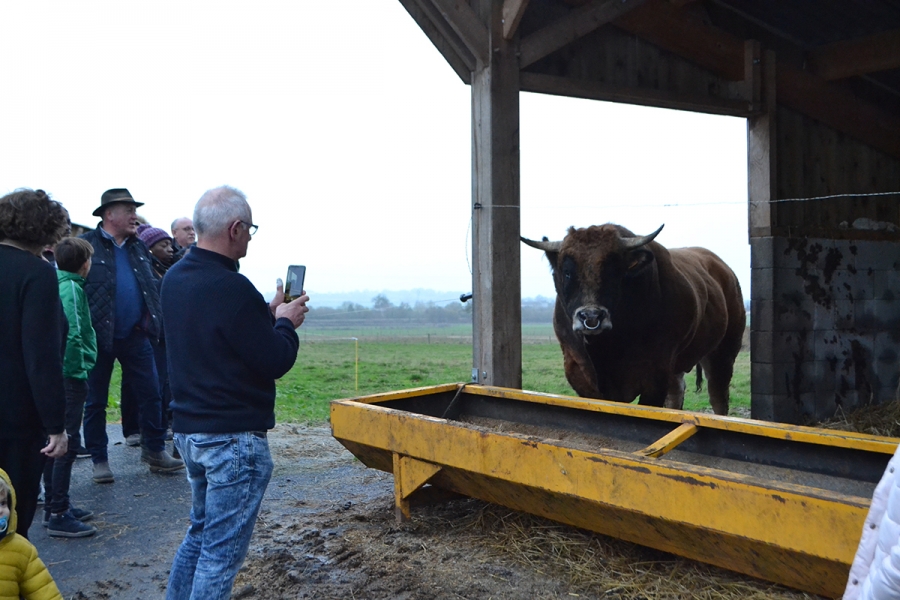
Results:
815 160
825 297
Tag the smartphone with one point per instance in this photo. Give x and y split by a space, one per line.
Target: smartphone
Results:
293 283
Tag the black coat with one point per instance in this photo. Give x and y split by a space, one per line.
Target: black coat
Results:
33 332
100 287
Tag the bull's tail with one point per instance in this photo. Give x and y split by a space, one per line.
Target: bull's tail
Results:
699 379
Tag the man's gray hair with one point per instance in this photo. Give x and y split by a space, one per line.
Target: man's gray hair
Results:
218 209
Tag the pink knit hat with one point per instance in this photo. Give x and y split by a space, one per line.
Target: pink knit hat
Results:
151 235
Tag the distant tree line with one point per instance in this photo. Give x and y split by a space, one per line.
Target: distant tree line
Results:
534 310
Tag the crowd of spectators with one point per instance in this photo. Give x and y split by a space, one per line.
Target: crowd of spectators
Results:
72 308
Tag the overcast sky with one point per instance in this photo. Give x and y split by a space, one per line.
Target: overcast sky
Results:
348 132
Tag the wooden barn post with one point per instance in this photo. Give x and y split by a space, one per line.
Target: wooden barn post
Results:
497 315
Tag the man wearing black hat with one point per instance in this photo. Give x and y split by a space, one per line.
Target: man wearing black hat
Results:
125 311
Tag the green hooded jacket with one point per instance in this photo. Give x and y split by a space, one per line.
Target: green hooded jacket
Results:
81 345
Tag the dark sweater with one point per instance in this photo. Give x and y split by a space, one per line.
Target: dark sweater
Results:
33 332
225 349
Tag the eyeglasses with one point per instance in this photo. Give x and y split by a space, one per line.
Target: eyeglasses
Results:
250 227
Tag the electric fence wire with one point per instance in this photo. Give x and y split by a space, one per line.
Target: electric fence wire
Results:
670 205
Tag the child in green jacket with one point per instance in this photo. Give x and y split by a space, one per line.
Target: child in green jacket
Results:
73 259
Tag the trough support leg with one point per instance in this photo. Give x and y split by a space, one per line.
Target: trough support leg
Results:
409 475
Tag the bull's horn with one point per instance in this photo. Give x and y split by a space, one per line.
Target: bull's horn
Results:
636 242
546 246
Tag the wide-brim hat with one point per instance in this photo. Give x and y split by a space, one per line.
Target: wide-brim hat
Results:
113 196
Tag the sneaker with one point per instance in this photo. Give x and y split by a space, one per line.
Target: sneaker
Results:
161 462
175 452
133 440
102 473
81 514
66 525
82 452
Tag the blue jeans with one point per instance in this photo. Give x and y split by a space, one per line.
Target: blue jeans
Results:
228 473
135 354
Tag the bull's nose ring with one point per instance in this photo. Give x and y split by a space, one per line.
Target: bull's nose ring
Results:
589 327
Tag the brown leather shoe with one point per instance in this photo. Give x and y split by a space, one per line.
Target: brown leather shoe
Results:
161 462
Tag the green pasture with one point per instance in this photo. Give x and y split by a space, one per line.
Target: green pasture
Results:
394 359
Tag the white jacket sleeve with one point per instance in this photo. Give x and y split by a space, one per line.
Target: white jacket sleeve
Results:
875 572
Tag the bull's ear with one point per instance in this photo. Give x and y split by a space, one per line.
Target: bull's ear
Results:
637 262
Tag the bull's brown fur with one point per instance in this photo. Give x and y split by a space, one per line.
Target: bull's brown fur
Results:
662 312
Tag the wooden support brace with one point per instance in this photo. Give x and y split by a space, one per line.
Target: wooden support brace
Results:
409 475
578 23
512 15
669 441
463 20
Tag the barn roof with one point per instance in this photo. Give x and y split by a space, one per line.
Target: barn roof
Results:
837 61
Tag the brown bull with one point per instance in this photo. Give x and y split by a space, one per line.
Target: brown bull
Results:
633 317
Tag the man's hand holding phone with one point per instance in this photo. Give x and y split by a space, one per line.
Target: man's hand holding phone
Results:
295 310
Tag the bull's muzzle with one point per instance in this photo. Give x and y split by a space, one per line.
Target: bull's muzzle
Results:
591 320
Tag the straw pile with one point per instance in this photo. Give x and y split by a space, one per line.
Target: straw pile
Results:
877 419
598 566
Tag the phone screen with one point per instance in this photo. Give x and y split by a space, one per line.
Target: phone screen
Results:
293 284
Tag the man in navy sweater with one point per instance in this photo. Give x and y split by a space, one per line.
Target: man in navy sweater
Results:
226 349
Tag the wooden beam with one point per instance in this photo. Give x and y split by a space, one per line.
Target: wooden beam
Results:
442 36
666 25
512 15
467 26
761 146
576 24
850 58
496 268
838 108
662 24
592 90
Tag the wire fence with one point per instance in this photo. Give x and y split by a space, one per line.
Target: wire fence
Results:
430 333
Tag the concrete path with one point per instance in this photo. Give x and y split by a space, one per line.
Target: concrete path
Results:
141 519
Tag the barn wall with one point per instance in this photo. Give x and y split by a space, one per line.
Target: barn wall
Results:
825 315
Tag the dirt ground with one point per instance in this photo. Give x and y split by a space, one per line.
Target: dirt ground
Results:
327 530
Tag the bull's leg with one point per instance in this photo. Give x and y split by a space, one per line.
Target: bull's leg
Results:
675 393
719 370
581 376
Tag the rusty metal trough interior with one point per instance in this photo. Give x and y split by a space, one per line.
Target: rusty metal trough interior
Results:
779 502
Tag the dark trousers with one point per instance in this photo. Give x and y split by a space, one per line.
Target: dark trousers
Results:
135 354
129 403
58 472
23 462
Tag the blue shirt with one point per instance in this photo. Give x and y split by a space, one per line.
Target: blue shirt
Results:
129 301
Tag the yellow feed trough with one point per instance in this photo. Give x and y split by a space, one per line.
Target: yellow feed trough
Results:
779 502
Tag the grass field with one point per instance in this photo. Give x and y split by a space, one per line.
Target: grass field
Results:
396 359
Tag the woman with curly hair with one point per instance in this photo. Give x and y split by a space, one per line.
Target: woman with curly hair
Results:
33 332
